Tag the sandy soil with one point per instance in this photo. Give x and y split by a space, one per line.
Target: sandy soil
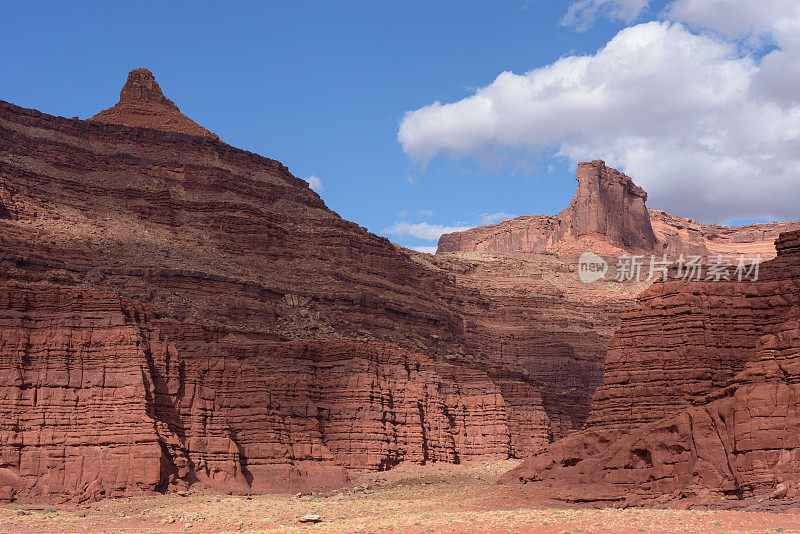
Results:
409 499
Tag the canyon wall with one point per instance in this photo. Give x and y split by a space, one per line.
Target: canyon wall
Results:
174 311
699 399
100 400
536 317
177 311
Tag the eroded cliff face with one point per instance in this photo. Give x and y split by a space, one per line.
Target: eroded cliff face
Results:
608 216
678 235
699 398
174 311
177 311
536 317
202 232
609 204
100 400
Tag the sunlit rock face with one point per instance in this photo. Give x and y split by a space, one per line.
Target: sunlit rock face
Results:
175 310
699 399
608 215
142 104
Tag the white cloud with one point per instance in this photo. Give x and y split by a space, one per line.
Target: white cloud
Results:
314 183
710 132
492 218
583 13
732 18
425 213
426 249
778 76
422 230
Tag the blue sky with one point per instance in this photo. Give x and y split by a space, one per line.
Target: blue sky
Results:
324 87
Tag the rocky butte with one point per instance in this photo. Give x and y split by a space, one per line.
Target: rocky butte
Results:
698 400
141 103
176 311
608 215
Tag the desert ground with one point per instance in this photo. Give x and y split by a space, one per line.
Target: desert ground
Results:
409 499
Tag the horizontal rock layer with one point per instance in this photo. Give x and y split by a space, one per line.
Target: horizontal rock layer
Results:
229 254
253 339
699 398
98 399
536 317
608 216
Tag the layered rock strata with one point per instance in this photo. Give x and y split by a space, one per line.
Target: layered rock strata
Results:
535 316
608 216
246 336
100 400
699 398
141 103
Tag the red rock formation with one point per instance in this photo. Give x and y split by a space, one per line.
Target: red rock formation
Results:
141 103
536 317
609 204
250 338
608 216
206 233
264 342
677 235
100 400
699 398
521 235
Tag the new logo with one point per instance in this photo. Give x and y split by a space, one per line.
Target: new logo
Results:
591 267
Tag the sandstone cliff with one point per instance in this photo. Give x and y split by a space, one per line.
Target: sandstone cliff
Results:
699 397
609 204
174 311
608 216
100 400
178 311
535 316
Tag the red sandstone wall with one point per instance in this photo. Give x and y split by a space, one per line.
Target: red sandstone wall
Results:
699 400
202 233
99 400
281 345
